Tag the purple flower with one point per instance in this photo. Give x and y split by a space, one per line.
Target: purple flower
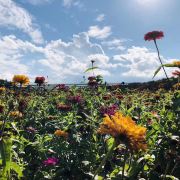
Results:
110 110
51 161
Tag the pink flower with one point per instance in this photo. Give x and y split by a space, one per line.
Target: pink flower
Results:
51 161
153 35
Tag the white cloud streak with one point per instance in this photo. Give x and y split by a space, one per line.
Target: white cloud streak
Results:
12 15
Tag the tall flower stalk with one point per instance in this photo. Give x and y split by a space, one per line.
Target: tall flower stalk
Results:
153 36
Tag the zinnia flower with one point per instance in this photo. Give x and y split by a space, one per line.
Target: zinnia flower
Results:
61 133
110 110
51 161
176 63
16 114
62 87
2 89
40 80
124 129
21 79
75 99
153 35
176 86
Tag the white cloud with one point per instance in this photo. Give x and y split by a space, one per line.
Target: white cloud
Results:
66 61
100 17
98 33
141 63
13 15
114 44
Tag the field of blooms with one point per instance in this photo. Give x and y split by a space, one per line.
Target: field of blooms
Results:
93 132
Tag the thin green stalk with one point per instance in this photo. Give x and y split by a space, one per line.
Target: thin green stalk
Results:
124 164
160 58
104 160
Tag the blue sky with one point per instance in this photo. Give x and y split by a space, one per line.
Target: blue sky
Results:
58 38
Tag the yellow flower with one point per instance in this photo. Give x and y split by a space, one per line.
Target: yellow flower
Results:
176 86
176 63
61 133
16 114
21 79
2 89
124 129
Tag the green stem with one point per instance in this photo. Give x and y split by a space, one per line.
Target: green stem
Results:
104 160
160 58
125 158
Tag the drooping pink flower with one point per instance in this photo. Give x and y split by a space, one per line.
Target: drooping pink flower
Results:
51 161
153 35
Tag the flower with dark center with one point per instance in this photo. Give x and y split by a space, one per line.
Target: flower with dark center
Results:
40 80
21 79
124 130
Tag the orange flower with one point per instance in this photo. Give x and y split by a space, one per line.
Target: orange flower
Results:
16 114
2 89
176 63
61 133
21 79
124 129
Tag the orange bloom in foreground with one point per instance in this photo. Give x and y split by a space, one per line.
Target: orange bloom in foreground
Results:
21 79
123 128
61 133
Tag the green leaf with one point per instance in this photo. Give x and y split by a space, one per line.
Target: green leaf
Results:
90 69
17 169
157 71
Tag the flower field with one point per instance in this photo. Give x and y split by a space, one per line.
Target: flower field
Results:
93 132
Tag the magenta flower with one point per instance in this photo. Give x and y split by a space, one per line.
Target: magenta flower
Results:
110 110
51 161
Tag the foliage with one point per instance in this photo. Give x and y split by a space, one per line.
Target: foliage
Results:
29 140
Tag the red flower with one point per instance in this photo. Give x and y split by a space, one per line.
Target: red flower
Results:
40 80
176 73
153 35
